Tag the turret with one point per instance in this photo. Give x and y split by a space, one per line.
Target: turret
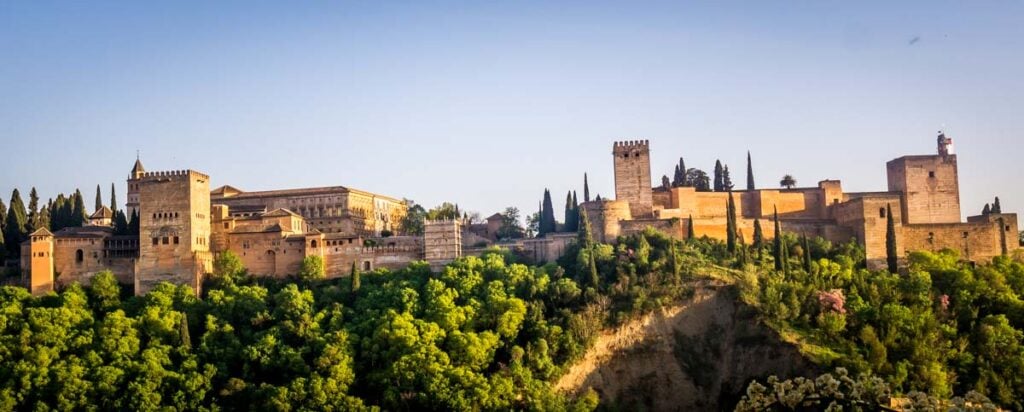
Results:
945 144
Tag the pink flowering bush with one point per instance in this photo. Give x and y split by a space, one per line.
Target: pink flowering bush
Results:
832 300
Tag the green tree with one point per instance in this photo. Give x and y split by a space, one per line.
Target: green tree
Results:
719 179
586 189
730 224
779 244
726 179
547 217
568 213
690 231
15 230
312 268
891 256
355 281
105 292
510 227
584 237
78 213
787 182
758 236
807 254
996 208
133 225
227 265
750 173
113 200
121 223
33 212
412 222
698 179
99 199
445 210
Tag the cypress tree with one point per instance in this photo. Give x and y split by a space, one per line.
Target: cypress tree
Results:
113 199
15 227
758 237
996 208
779 246
3 217
750 173
121 223
547 218
807 255
718 184
133 226
726 179
690 233
890 241
574 224
682 173
986 210
742 256
730 224
99 199
33 211
568 212
586 189
44 218
595 279
78 213
584 236
674 260
186 340
676 177
356 281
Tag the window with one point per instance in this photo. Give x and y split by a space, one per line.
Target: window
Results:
835 201
366 265
313 244
175 240
156 241
931 173
79 256
1007 228
965 235
225 225
881 212
166 240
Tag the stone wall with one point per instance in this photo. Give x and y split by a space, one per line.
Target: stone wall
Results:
604 217
930 187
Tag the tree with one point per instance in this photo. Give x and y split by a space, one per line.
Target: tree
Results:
690 232
584 236
787 182
113 199
133 225
444 211
986 210
665 183
355 281
510 227
78 213
33 211
532 224
699 180
679 178
99 199
890 240
44 219
730 224
750 173
586 189
568 213
412 222
719 179
758 236
726 179
227 265
15 230
996 208
104 292
779 244
312 268
807 254
547 217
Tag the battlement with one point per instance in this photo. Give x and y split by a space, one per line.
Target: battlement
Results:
629 145
172 175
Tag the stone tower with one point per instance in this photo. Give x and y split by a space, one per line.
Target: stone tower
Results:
133 188
442 242
40 269
928 185
174 229
633 176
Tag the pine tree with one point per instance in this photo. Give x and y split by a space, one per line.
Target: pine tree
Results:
778 243
355 279
758 237
78 213
690 233
726 179
890 241
730 224
113 199
718 182
750 173
586 189
996 208
547 217
15 228
99 200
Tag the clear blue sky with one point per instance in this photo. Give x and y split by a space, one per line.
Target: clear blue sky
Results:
488 103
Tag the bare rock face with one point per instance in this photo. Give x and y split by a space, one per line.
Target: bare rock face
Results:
699 355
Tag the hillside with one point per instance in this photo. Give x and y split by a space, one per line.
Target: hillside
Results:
697 355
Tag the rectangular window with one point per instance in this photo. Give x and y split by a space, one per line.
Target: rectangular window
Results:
931 173
156 241
175 240
166 240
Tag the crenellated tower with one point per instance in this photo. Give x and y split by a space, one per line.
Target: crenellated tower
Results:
633 176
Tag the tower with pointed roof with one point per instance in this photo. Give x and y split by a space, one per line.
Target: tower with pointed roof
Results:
133 188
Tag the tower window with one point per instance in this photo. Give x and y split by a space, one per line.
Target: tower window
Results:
881 212
156 241
931 173
79 256
166 240
175 240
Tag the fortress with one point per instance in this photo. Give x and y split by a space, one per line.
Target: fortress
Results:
923 194
183 225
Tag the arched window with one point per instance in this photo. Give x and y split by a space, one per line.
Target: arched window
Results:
313 243
79 256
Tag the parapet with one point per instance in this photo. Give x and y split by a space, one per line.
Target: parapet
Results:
173 175
630 145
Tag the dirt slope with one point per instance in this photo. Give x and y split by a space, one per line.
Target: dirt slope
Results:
699 355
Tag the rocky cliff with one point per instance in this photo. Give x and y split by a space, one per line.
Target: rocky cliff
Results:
698 355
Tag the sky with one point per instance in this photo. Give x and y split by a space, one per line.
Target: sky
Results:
486 104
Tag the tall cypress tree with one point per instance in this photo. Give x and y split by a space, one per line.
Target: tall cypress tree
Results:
778 243
356 282
758 238
987 209
807 254
595 279
133 226
690 232
682 173
996 208
568 212
3 217
730 224
113 199
726 179
547 217
78 213
750 173
99 199
44 218
676 177
121 223
891 257
33 211
575 222
586 189
718 183
584 236
15 228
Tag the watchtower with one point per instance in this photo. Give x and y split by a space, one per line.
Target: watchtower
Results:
928 184
633 176
174 229
442 242
40 269
133 189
